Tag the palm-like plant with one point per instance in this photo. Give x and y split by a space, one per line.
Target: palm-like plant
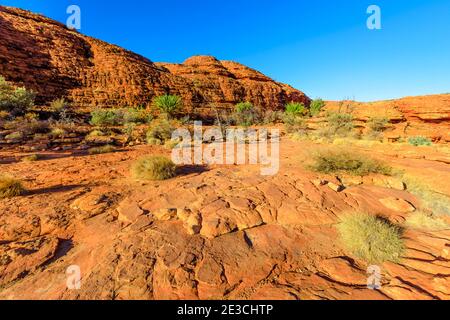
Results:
168 104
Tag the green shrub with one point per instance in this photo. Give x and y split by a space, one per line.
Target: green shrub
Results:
371 238
15 100
137 115
246 114
295 108
153 168
168 104
316 107
10 187
349 162
106 117
419 141
159 132
103 149
340 123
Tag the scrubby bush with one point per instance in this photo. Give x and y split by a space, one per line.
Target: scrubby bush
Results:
153 168
103 149
294 123
59 105
426 221
168 104
10 187
247 115
15 100
340 124
378 124
106 117
371 238
419 141
14 136
272 117
295 108
316 107
334 161
137 115
159 132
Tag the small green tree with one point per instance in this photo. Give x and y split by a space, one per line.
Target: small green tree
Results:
316 107
15 100
340 123
168 104
295 108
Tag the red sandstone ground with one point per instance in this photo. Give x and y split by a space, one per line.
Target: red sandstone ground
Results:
258 237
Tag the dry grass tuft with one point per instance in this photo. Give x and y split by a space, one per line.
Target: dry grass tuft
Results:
10 187
103 149
153 168
371 238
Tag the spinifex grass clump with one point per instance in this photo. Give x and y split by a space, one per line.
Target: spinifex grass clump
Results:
153 168
371 238
103 149
331 161
426 221
10 187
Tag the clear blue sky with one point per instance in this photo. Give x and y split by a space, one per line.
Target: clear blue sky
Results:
321 47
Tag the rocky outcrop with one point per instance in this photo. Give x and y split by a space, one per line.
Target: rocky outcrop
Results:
427 116
45 56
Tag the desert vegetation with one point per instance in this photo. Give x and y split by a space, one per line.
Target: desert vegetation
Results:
371 238
153 168
10 187
335 161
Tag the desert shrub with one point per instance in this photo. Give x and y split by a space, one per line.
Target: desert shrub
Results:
246 114
10 187
316 107
15 136
168 104
294 123
58 133
331 161
378 124
371 238
340 123
103 149
15 100
419 141
159 132
31 158
106 117
295 108
272 117
426 221
59 105
153 168
137 115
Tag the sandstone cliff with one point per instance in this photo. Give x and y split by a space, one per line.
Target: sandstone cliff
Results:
45 56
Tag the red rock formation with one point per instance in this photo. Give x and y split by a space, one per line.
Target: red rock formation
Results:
45 56
427 116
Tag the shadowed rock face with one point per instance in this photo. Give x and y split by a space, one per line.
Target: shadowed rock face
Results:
45 56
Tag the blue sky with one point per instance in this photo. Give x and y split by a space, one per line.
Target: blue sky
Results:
320 47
